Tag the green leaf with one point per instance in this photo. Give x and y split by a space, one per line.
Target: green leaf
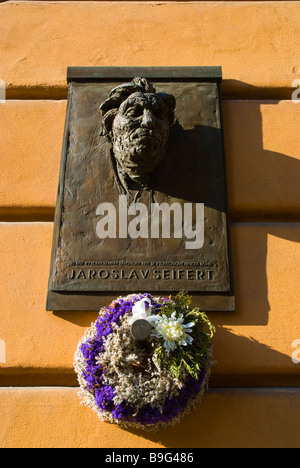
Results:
193 358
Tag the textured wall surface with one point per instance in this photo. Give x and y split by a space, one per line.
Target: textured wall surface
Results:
253 399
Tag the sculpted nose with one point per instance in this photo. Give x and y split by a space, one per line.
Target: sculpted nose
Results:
148 120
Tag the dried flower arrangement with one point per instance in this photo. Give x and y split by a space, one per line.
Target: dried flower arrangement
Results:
151 383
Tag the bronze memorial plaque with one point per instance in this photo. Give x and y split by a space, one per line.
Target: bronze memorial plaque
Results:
142 198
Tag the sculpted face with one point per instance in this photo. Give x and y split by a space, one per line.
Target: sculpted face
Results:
140 132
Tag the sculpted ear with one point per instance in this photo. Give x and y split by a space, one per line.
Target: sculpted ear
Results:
107 122
170 102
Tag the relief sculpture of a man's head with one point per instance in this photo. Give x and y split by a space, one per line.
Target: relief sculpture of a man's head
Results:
137 121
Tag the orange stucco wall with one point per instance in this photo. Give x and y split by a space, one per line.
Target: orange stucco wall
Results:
254 395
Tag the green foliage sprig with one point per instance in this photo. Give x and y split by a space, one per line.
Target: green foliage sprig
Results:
193 358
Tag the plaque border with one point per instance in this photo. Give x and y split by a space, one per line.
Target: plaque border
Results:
93 301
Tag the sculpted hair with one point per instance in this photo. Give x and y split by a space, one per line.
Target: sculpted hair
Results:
109 108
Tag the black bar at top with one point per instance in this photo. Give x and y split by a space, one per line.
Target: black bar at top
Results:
151 73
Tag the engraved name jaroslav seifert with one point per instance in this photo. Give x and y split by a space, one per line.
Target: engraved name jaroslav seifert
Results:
201 272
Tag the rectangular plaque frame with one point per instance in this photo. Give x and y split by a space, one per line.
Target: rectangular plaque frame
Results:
79 265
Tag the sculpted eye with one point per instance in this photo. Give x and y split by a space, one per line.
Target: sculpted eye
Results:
135 111
158 113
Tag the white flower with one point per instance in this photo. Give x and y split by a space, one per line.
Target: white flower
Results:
172 330
139 310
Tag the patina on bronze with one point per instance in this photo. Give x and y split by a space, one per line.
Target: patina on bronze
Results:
137 139
136 121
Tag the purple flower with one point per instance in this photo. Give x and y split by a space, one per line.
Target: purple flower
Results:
104 394
172 406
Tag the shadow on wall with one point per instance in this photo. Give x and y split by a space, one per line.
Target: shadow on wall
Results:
236 89
264 170
263 183
250 277
275 177
236 418
235 421
258 167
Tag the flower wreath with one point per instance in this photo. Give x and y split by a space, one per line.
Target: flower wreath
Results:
145 383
